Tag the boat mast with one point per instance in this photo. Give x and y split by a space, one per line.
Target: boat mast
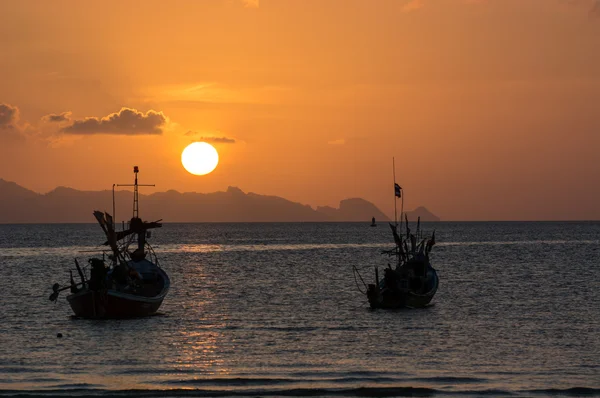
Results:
401 196
136 209
395 211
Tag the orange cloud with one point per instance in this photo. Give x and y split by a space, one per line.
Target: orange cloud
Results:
9 115
212 93
11 127
126 122
217 140
251 3
57 118
413 5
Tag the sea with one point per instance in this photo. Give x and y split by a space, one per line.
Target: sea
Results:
276 309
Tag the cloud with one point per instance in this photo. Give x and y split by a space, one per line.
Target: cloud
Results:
9 115
413 5
340 141
126 122
12 130
57 118
217 140
251 3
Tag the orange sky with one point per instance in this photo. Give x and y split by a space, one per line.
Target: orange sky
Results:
490 107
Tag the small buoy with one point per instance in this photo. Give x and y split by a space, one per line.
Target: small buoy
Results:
59 335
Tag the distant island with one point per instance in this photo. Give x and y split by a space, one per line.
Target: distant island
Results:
67 205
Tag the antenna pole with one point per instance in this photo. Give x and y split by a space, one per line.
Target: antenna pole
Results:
136 210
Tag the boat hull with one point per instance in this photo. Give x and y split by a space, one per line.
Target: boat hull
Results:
386 299
112 304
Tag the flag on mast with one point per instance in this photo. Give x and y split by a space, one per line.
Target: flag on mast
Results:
397 190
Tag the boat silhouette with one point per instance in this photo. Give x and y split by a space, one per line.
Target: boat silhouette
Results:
128 281
412 282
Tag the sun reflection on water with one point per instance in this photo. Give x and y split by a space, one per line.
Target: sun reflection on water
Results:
198 353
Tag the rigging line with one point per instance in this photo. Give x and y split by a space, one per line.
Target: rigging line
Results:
354 272
153 254
354 266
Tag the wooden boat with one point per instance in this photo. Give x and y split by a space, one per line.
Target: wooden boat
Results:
131 283
412 282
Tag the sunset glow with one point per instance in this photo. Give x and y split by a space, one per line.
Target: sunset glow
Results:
486 105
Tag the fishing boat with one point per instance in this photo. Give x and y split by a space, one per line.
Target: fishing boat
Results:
412 281
126 282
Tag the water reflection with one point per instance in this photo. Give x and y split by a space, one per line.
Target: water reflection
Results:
63 251
199 352
211 248
91 251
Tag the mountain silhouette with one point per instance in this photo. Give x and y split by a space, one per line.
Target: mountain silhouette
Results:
422 212
354 209
68 205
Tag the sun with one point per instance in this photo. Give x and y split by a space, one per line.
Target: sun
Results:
199 158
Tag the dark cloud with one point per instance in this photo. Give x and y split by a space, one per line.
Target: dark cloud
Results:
54 118
127 122
9 115
11 131
218 140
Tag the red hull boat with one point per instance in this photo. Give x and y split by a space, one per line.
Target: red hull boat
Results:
131 284
113 304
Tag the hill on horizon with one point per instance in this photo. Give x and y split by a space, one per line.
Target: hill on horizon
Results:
68 205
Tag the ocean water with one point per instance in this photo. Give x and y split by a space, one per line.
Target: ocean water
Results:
275 310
